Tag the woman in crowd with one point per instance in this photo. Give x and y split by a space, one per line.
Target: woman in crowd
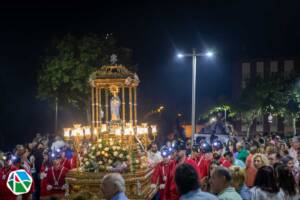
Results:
238 182
205 186
260 160
265 185
286 182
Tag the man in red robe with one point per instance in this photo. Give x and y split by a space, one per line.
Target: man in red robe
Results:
8 167
171 189
56 177
204 159
162 173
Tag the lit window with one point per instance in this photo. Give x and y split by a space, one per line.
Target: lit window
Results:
246 71
260 69
274 66
288 66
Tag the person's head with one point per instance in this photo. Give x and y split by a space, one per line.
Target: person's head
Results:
260 160
154 147
274 158
20 149
286 180
239 146
296 142
220 179
56 159
298 155
269 150
288 161
238 177
253 150
45 156
26 153
229 156
186 178
181 151
213 164
165 152
265 179
112 184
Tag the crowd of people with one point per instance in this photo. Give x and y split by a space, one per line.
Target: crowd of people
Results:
258 168
45 160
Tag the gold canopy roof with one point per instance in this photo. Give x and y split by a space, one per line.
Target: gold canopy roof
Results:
117 75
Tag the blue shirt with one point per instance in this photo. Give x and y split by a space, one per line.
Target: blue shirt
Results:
120 196
198 195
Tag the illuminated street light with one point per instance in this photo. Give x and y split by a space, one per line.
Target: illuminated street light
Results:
179 55
213 119
209 54
194 56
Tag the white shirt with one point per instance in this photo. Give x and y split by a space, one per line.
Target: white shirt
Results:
293 154
154 158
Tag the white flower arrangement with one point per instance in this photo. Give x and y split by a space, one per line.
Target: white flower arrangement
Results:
121 155
106 149
110 161
116 153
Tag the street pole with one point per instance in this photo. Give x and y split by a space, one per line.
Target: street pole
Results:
194 96
194 73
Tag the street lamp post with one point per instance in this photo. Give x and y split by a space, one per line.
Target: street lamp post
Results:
194 72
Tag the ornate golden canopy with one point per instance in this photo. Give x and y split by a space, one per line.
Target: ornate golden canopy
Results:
106 83
114 75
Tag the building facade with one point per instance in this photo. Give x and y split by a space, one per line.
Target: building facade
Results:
250 69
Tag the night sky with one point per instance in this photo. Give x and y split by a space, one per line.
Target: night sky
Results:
156 32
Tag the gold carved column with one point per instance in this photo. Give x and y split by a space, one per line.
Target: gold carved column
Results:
97 110
106 106
123 105
93 106
130 105
135 105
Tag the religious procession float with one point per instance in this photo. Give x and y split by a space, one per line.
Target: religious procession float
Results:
114 142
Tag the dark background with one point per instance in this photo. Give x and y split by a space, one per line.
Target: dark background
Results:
155 31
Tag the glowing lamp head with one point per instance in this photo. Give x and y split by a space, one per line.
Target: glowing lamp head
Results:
179 55
209 54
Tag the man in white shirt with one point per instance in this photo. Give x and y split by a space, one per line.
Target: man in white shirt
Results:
294 149
154 156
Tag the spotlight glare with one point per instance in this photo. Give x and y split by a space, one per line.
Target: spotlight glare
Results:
179 55
209 54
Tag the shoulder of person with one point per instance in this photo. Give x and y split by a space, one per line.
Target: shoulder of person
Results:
209 196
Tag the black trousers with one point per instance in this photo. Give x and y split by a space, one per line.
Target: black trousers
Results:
37 186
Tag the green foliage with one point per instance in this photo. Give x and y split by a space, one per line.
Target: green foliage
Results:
275 94
214 111
69 62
